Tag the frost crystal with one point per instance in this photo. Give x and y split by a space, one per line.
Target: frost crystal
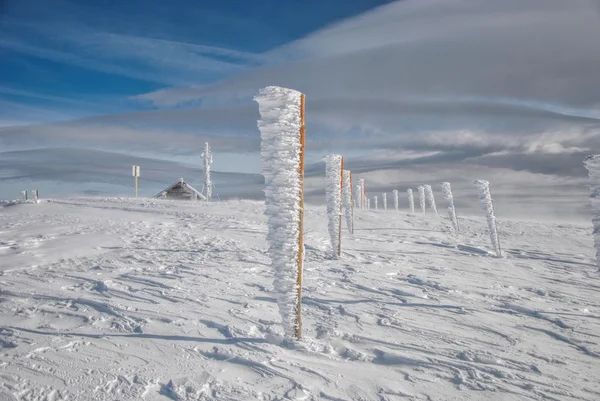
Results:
422 198
485 197
592 164
333 193
430 198
411 200
447 191
347 201
280 160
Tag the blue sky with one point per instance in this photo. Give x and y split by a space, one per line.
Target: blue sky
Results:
509 84
73 58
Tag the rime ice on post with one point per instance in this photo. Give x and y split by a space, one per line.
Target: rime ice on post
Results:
358 196
282 146
395 192
485 197
363 194
207 156
333 193
592 164
447 190
368 204
411 200
384 198
430 198
422 198
24 194
375 199
347 201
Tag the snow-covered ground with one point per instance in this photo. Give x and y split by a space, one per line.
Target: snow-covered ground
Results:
122 299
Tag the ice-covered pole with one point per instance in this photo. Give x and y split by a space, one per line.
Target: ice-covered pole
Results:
24 194
363 196
348 204
422 198
368 204
411 200
207 157
430 198
395 193
282 132
384 199
485 197
592 164
376 203
333 194
358 196
447 191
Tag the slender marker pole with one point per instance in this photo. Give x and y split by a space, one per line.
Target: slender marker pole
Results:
341 203
300 259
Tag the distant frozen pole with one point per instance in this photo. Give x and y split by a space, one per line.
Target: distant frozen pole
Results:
333 192
485 197
363 194
384 198
395 193
447 191
282 132
592 164
135 171
422 198
208 160
430 198
348 203
368 204
358 196
376 203
35 194
411 200
24 194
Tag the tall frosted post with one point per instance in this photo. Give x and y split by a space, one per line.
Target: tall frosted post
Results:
384 199
447 191
485 197
358 196
411 200
422 198
376 202
592 164
368 204
348 204
430 198
282 133
363 193
208 160
334 166
395 192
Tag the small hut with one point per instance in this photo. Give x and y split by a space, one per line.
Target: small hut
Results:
181 190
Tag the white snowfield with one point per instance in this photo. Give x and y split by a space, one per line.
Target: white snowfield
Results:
123 299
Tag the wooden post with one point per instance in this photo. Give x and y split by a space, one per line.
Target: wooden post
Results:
339 250
300 259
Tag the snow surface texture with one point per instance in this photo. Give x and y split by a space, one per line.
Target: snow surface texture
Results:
430 198
411 200
124 299
280 160
333 194
347 199
384 199
485 197
207 158
395 193
592 164
447 191
422 198
376 202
